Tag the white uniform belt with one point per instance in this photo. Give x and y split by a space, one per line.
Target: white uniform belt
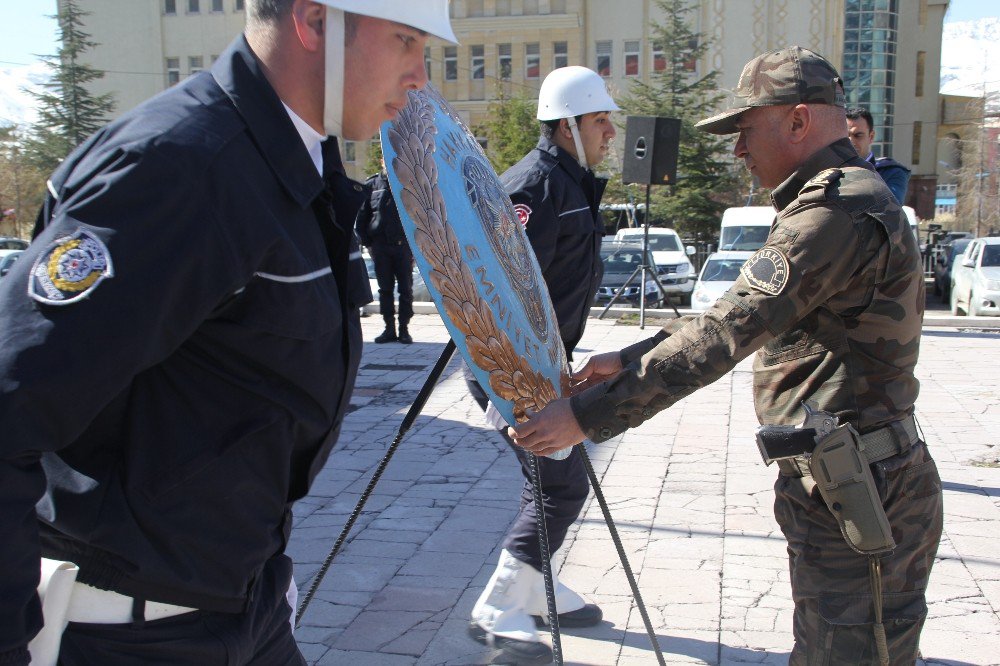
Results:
90 604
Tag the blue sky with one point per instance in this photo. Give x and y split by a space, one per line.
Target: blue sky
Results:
29 32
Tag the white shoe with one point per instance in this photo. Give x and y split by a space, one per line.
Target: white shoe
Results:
573 609
499 618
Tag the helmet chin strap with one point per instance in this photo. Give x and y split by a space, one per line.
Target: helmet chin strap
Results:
333 105
581 154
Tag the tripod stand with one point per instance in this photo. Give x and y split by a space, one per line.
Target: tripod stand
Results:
641 270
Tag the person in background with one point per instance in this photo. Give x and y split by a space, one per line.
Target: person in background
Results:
381 231
556 196
180 342
861 132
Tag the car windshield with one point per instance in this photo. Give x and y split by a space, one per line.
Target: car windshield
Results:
743 238
13 244
664 243
991 255
722 270
621 261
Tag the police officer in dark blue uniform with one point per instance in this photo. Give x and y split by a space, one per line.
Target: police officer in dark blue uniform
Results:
556 196
381 231
861 132
180 342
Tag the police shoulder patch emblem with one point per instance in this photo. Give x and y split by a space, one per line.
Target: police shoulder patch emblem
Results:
767 271
69 269
523 212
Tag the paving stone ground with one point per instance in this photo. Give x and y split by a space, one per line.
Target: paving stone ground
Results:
689 494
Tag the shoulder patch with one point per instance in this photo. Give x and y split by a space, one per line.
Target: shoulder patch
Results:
69 269
523 212
826 177
767 271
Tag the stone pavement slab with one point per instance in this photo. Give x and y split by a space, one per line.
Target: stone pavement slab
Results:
687 491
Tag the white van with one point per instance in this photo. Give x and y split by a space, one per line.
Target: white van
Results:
674 269
745 228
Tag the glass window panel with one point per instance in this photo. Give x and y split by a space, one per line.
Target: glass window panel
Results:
632 58
504 61
477 62
450 63
603 50
532 61
560 54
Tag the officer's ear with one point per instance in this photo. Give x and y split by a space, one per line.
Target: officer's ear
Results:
798 122
564 129
308 19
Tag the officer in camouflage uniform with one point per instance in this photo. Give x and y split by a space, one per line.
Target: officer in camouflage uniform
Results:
833 305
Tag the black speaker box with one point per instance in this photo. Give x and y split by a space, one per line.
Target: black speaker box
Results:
651 145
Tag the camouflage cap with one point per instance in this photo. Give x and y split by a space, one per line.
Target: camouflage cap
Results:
793 75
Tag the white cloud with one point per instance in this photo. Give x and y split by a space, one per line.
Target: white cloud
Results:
17 106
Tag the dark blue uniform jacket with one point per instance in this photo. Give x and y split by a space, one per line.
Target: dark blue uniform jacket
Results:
378 220
165 423
560 200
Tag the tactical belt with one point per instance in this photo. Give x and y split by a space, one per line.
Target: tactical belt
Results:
890 440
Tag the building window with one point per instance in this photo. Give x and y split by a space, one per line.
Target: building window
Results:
918 130
560 54
604 58
921 64
659 58
216 5
194 6
427 61
557 6
478 62
451 63
532 61
195 64
350 152
169 6
173 71
503 8
474 8
504 62
632 58
530 7
869 63
239 5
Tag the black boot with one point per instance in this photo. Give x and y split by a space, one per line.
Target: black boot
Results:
389 334
404 335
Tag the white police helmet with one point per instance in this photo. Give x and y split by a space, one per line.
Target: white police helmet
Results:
431 16
573 91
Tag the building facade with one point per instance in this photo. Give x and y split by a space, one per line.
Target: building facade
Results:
888 51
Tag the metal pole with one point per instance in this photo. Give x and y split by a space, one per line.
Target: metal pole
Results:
408 420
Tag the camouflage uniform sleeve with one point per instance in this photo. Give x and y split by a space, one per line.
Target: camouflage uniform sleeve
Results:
812 252
637 350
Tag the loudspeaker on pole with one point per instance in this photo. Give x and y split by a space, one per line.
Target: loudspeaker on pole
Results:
651 146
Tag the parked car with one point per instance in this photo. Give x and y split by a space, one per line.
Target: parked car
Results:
943 262
717 275
621 259
674 268
9 245
7 261
975 279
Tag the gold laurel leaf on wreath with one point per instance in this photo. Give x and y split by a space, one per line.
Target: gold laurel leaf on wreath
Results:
510 375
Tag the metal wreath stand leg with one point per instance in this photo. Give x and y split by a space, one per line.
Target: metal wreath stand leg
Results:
543 538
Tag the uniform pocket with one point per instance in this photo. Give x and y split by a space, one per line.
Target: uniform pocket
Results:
304 306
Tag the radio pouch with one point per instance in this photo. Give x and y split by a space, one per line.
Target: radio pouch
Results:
840 469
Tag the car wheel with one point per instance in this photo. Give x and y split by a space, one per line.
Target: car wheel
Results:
946 294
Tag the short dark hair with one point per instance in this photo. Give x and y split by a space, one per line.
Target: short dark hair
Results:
861 112
268 11
549 127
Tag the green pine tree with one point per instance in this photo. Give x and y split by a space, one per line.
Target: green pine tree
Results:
511 129
67 111
705 176
373 158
